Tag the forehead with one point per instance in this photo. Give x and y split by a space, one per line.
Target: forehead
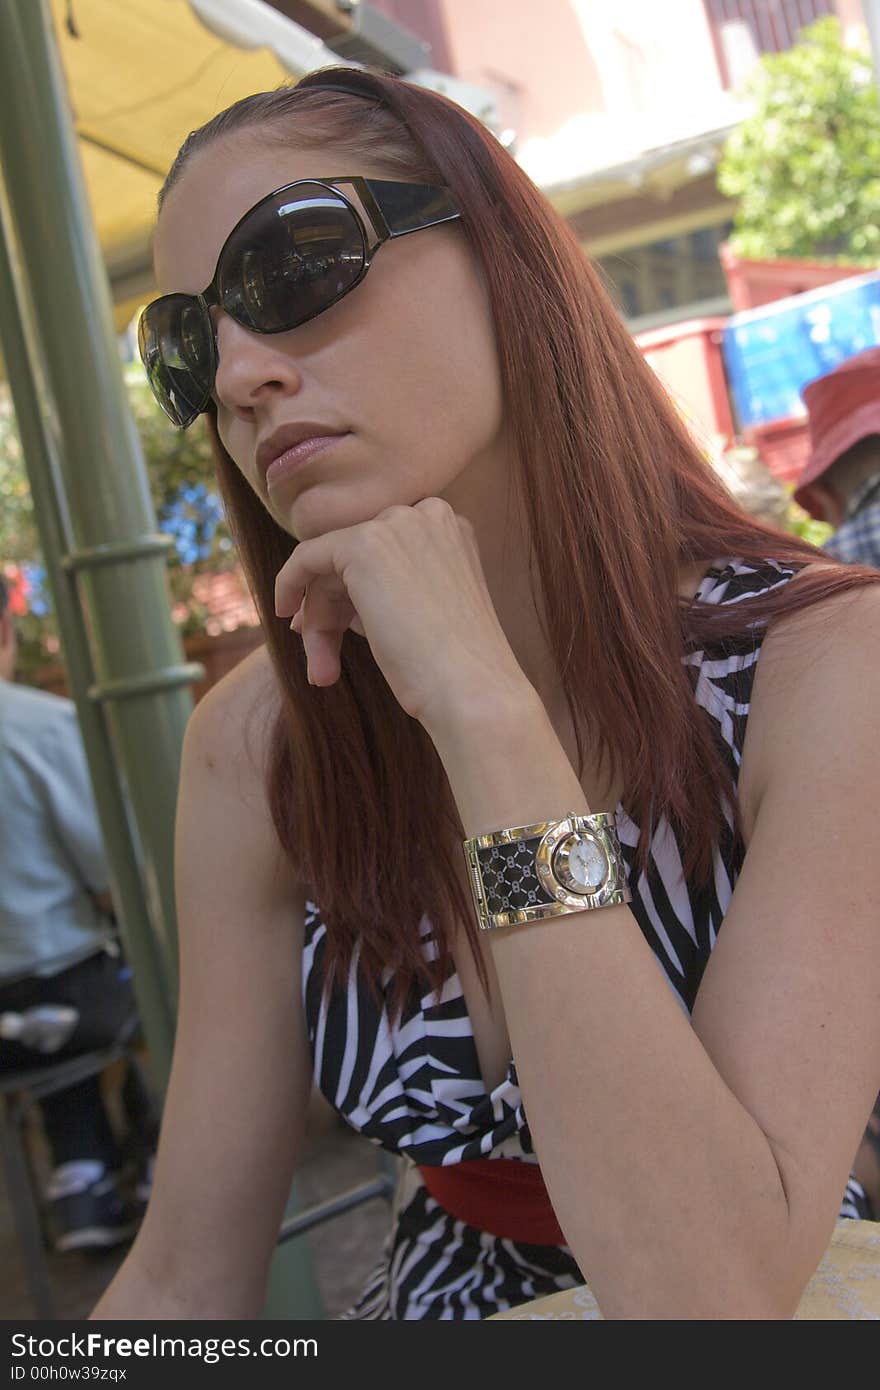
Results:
218 185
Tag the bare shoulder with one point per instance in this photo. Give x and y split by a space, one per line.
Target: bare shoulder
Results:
228 735
812 651
237 712
830 623
816 689
224 770
251 672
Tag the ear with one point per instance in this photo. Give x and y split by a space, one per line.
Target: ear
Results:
823 502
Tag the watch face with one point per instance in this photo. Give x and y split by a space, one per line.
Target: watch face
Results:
581 864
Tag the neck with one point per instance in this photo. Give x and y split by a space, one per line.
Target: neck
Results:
854 468
485 495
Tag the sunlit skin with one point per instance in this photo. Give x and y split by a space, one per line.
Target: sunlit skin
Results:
406 362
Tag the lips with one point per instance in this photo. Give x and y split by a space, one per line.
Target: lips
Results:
287 437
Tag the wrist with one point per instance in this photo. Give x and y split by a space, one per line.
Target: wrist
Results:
505 764
493 716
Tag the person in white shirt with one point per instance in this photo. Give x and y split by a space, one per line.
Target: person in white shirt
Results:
58 945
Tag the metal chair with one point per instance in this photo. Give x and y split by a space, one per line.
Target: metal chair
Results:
20 1091
385 1185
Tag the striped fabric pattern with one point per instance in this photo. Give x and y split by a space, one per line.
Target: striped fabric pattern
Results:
416 1089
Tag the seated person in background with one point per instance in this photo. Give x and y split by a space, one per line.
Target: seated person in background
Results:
57 946
840 483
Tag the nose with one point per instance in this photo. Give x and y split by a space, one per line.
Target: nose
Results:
251 366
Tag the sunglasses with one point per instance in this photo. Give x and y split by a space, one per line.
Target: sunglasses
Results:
296 252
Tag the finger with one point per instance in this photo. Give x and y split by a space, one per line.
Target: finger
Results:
355 625
323 663
322 557
325 614
296 574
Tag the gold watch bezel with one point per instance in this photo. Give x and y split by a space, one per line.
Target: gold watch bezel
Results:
551 851
559 864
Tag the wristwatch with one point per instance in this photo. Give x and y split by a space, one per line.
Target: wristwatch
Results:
529 872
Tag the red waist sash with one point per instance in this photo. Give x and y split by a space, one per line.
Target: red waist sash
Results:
503 1196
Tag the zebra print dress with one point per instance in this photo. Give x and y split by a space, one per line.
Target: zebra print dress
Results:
416 1088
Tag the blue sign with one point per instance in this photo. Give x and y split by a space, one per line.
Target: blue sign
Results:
771 352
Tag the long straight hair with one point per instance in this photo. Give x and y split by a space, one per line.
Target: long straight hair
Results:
617 497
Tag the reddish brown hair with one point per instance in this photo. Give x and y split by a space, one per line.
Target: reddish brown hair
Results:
359 797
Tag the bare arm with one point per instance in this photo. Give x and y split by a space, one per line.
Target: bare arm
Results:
697 1166
235 1111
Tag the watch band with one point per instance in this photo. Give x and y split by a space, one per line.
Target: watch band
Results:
529 872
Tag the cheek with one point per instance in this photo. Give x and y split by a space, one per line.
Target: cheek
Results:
431 336
440 368
459 392
235 438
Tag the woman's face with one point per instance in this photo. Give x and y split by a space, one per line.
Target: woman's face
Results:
405 363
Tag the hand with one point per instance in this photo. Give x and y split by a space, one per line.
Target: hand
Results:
410 581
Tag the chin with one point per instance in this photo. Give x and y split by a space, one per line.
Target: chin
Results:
312 514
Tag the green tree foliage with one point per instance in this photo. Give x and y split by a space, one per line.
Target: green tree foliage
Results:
181 474
181 477
800 523
805 165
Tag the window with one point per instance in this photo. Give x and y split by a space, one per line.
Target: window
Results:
744 29
669 273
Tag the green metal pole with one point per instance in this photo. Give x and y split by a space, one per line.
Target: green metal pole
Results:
141 685
119 563
41 453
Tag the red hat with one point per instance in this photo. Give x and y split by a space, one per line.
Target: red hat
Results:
843 407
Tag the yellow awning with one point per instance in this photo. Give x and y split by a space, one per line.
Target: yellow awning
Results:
141 75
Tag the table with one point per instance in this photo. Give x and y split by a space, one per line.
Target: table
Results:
846 1285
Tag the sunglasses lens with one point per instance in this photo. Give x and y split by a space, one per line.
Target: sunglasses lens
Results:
177 349
292 257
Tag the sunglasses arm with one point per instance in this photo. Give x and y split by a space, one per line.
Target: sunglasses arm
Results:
398 208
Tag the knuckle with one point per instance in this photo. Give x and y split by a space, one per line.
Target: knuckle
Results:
369 538
392 513
435 507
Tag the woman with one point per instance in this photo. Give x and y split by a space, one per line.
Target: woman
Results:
501 591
